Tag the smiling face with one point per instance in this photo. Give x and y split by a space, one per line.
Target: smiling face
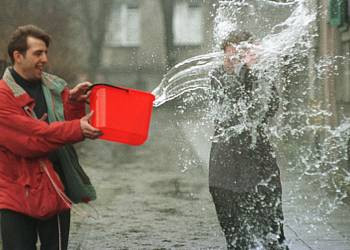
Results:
30 64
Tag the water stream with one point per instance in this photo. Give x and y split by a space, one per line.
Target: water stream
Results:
186 76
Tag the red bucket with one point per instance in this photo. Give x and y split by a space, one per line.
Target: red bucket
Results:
122 114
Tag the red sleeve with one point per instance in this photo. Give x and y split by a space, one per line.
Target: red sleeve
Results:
72 110
29 137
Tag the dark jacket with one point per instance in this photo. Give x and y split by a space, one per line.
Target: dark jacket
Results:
240 162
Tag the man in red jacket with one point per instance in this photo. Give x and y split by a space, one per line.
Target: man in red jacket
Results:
28 140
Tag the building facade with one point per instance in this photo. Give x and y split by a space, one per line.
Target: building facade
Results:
137 52
334 41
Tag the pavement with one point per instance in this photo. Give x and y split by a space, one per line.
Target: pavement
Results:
156 196
305 229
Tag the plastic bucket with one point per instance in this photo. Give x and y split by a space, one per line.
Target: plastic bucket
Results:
122 114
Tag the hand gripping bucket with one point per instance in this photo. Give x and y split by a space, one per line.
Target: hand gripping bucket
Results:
122 114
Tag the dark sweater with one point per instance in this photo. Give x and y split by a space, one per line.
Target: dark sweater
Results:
35 91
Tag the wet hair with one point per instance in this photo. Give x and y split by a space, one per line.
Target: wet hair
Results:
18 40
236 37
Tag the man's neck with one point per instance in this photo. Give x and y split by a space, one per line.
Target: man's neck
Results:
21 77
21 73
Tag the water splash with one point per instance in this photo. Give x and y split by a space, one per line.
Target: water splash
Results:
260 17
186 76
315 151
285 35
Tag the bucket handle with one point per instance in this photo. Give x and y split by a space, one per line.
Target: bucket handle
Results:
107 84
104 84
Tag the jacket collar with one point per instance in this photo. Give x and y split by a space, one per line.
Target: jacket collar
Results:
19 93
53 83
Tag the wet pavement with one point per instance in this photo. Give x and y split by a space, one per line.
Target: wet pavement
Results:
156 196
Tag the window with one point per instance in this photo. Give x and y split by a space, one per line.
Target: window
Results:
187 23
124 26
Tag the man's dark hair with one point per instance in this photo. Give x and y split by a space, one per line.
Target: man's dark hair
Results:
235 37
18 40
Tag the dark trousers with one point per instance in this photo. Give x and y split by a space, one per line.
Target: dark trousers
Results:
251 220
20 232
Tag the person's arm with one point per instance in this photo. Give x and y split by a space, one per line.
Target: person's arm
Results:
74 100
273 99
255 106
29 137
72 110
247 78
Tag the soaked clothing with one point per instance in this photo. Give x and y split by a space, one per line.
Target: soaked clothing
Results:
239 162
244 178
250 220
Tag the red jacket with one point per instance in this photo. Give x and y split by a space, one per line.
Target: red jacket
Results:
25 141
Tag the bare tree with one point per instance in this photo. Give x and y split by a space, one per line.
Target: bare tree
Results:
95 21
168 10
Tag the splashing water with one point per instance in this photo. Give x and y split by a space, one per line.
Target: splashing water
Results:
285 35
188 75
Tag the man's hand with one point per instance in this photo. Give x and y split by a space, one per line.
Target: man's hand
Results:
80 92
250 57
88 130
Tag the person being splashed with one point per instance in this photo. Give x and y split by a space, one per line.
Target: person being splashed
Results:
244 179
